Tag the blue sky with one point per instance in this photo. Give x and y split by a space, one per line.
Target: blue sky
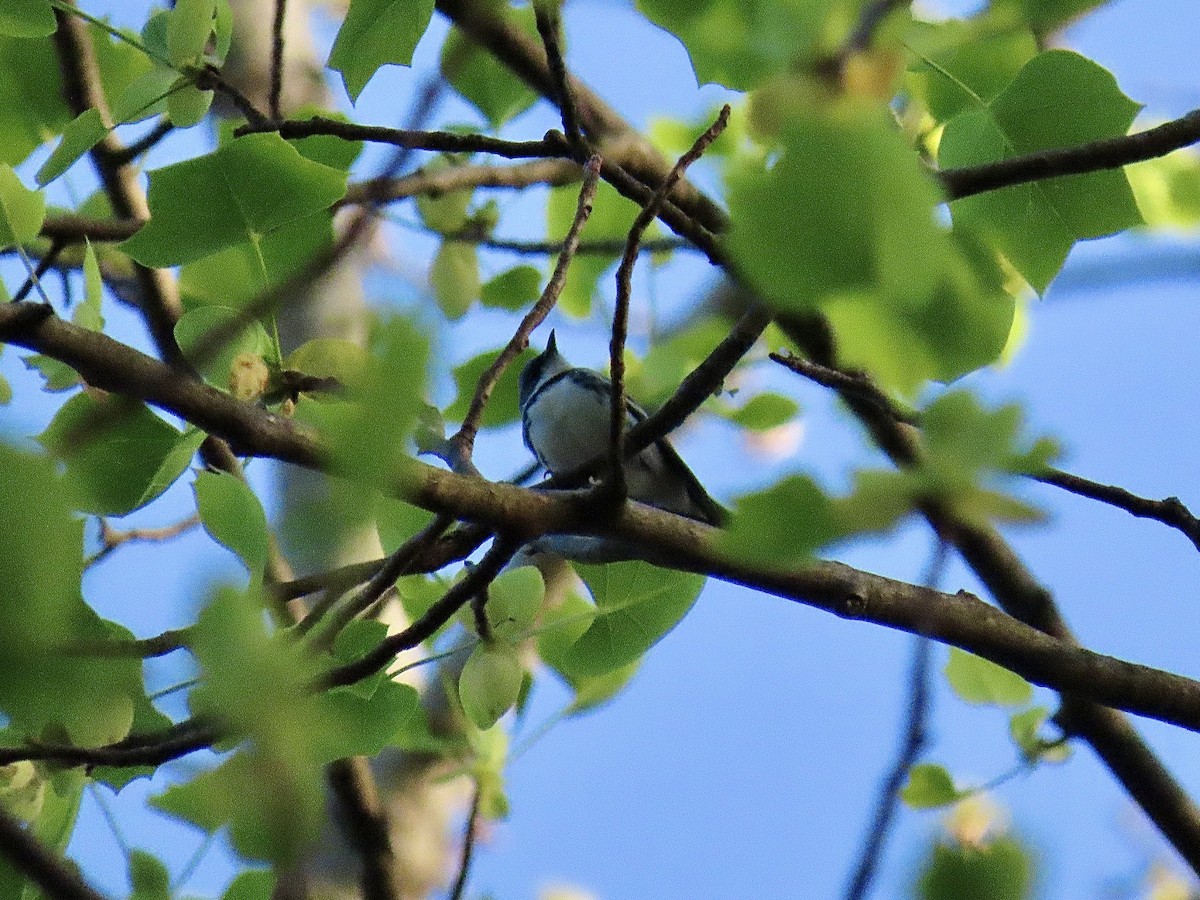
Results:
744 758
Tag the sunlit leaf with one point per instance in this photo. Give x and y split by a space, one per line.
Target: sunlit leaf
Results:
978 680
233 515
22 211
377 33
85 131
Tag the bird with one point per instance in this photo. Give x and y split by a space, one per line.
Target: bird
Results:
565 416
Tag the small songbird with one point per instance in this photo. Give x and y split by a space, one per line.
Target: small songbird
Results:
565 415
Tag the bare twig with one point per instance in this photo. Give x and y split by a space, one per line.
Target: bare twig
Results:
434 182
29 856
145 648
145 143
277 23
44 265
546 12
855 383
912 746
1170 511
111 539
620 326
464 439
470 832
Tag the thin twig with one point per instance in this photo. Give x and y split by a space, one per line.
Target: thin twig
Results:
145 143
145 648
459 594
435 182
912 745
44 265
855 383
620 325
277 58
546 13
33 859
1170 511
464 439
470 832
111 539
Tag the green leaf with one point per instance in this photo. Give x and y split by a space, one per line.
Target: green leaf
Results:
237 194
377 33
928 787
738 43
22 211
58 376
962 64
765 411
1048 15
87 314
235 276
977 680
149 877
454 278
1024 728
513 602
561 628
1000 870
489 683
187 105
1058 99
444 213
119 464
513 289
6 393
145 96
363 726
636 606
189 26
1168 189
481 79
60 798
82 135
233 515
31 101
256 885
782 525
326 149
27 18
502 407
192 333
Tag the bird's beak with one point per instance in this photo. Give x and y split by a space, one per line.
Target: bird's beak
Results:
551 346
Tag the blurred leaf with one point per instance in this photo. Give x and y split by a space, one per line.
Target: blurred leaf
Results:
27 18
502 407
782 525
1058 99
738 43
356 725
513 289
1001 870
32 107
58 376
187 105
454 278
22 211
256 885
328 358
484 81
149 877
233 515
189 26
1024 728
977 680
6 393
444 213
1048 15
53 826
192 333
121 460
83 133
239 193
377 33
1168 189
765 411
489 683
636 606
928 787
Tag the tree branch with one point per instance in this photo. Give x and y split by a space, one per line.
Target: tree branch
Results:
1094 156
26 854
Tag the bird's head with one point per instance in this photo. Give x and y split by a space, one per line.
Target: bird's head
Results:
543 366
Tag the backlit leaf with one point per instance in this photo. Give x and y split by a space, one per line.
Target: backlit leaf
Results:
377 33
